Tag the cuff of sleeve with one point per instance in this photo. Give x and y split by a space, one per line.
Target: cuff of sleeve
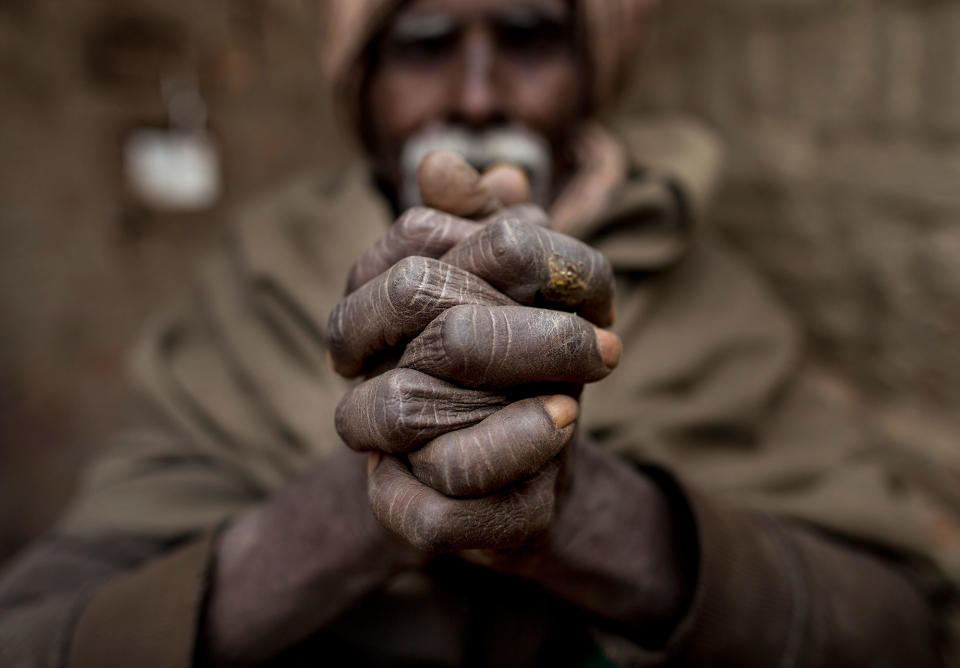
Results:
147 617
749 603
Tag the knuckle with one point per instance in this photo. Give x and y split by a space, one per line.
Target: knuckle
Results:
510 239
364 269
335 324
532 214
397 393
414 224
510 224
375 415
410 268
405 280
409 408
393 410
449 343
458 329
343 418
397 385
536 514
429 528
337 339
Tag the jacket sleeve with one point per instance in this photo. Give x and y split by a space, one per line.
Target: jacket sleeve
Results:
806 505
146 617
75 599
239 400
771 592
123 574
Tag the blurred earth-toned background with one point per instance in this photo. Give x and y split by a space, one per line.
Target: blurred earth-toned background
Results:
841 121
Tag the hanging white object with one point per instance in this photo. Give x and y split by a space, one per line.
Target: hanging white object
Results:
172 170
175 168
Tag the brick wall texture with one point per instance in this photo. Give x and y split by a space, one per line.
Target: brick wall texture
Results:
841 120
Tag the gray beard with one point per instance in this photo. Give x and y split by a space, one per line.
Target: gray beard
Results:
502 145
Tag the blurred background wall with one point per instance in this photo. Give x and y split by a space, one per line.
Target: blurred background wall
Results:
841 121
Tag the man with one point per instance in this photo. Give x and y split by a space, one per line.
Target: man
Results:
701 507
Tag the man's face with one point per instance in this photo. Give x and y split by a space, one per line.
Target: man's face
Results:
447 72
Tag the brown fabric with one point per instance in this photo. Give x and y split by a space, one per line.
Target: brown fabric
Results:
147 617
44 589
612 32
602 168
240 368
798 600
712 384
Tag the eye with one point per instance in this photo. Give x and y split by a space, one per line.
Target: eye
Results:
531 34
420 39
424 48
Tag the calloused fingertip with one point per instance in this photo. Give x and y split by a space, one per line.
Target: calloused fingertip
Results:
609 346
373 461
563 410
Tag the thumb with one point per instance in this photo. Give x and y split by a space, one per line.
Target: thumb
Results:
448 183
508 183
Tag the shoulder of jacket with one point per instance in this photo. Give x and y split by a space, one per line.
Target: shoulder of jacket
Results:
680 148
320 187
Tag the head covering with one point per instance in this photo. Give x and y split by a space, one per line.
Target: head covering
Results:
611 30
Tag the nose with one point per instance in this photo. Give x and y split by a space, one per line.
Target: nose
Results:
478 100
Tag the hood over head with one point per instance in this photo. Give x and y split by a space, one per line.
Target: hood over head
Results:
610 30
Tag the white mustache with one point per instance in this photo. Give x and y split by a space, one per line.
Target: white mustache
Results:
511 145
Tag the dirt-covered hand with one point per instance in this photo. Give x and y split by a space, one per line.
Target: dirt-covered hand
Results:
486 315
457 201
466 468
492 486
511 260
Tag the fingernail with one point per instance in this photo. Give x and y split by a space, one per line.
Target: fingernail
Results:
610 348
561 409
373 461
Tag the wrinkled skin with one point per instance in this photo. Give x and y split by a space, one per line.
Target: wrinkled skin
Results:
473 431
459 467
461 335
444 303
